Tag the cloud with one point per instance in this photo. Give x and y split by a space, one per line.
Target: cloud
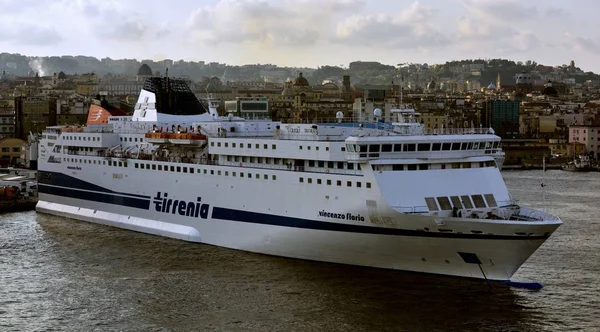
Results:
284 23
582 44
125 31
30 35
410 28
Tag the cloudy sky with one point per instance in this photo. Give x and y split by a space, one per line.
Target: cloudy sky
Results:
306 32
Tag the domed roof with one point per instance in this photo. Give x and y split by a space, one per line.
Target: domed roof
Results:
3 76
491 86
144 70
62 76
301 81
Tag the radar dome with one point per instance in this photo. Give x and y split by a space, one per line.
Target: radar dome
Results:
377 112
339 115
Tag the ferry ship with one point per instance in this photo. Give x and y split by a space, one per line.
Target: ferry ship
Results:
386 195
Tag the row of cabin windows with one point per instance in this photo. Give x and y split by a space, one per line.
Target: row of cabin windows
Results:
460 202
191 170
329 182
281 161
422 167
96 162
82 138
410 147
131 139
242 145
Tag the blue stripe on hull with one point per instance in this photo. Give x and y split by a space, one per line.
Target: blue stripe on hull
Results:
275 220
63 180
137 203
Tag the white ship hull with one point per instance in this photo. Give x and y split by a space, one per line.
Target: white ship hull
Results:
240 222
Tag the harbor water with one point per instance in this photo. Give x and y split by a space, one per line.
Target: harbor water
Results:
64 275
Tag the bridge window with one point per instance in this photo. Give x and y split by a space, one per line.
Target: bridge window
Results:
478 201
491 201
340 165
456 202
466 201
409 147
397 167
423 167
444 203
386 148
412 167
423 147
350 165
455 146
374 148
397 147
436 146
431 204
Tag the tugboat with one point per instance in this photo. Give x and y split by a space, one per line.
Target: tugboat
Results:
579 164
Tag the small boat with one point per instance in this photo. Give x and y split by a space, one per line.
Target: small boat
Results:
579 164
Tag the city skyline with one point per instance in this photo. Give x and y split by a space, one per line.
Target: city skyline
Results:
305 32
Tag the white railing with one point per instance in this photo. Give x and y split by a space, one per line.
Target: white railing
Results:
457 131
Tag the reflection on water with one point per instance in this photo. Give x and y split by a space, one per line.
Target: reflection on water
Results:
69 275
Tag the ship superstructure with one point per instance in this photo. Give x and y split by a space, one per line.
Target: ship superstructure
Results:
376 194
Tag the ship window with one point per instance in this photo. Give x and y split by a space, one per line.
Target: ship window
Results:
218 172
226 144
274 177
301 180
339 182
212 172
455 146
358 184
244 159
228 158
233 145
241 145
482 145
311 163
455 165
351 148
349 183
340 165
409 147
110 163
257 176
321 163
147 166
326 148
397 167
397 147
257 146
233 173
300 147
266 177
475 145
478 201
136 165
265 146
172 168
362 148
456 202
350 165
160 167
308 147
153 167
436 146
218 144
466 165
386 148
319 181
491 201
309 180
274 147
211 143
446 146
329 182
412 167
178 169
185 169
423 147
374 148
368 185
444 203
431 204
423 167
